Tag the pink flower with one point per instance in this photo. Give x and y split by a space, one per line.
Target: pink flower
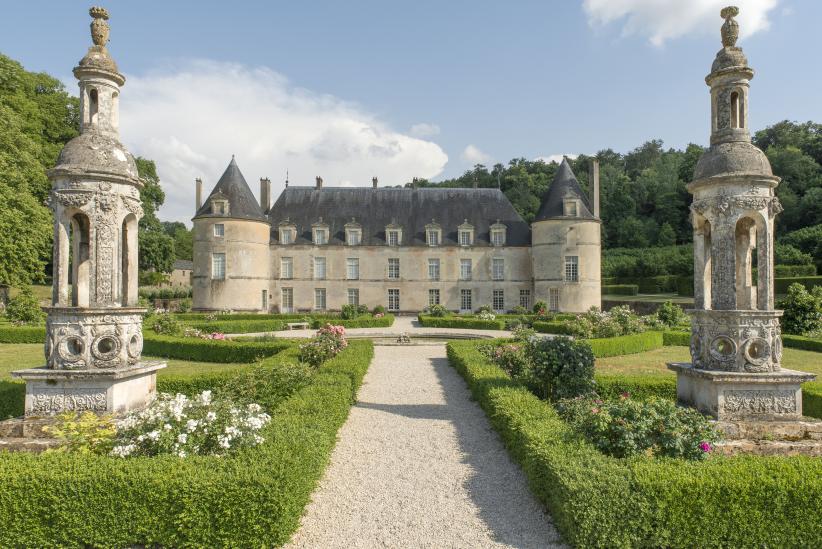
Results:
626 394
705 446
217 335
378 315
594 410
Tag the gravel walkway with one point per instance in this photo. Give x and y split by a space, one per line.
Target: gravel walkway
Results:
418 465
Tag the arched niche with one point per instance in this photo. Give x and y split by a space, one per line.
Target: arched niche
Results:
702 262
80 259
128 253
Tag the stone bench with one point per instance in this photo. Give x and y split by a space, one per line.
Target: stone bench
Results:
298 325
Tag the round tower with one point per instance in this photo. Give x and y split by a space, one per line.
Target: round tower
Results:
94 329
231 247
566 245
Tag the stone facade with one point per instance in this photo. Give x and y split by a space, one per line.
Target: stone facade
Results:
94 335
266 258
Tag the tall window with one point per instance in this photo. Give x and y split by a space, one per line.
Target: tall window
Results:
571 268
525 298
498 300
393 237
352 268
553 299
319 299
265 300
465 237
353 296
319 268
433 269
286 268
286 236
353 237
465 269
287 300
218 266
393 299
498 237
498 268
465 300
433 296
433 237
219 229
320 236
394 268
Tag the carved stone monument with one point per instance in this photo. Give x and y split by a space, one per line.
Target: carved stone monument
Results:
736 346
94 328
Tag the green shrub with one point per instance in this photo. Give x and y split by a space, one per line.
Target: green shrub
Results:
85 433
166 324
601 501
540 308
685 286
348 311
519 310
360 322
785 254
379 309
642 387
671 315
22 334
238 326
461 322
12 398
553 327
626 345
620 289
24 308
676 338
436 310
254 498
788 271
562 367
812 399
803 310
618 321
210 350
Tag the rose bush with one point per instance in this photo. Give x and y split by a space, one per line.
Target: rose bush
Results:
328 341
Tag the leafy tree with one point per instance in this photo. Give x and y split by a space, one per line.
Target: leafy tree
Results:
24 308
803 310
666 235
183 239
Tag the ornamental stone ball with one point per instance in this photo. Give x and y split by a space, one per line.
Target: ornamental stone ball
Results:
99 26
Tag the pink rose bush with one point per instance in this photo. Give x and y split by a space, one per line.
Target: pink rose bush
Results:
328 341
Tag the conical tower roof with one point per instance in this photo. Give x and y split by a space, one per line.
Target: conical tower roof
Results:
563 186
233 187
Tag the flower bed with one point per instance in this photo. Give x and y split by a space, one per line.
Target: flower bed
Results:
596 500
252 498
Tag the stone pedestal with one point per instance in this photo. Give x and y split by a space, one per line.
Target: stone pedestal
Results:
768 396
114 391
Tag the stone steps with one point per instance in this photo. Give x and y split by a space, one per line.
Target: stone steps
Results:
769 447
801 437
22 444
26 435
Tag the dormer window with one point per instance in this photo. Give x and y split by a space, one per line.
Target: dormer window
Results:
433 234
219 207
393 235
287 232
353 233
319 233
466 234
498 232
570 207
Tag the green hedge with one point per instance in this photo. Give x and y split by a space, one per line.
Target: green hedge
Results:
461 322
620 289
676 338
599 501
781 284
12 398
639 386
22 334
812 399
360 322
209 350
784 271
252 499
685 286
626 345
557 327
238 326
800 342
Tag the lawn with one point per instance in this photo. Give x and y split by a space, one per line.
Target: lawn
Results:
653 362
30 355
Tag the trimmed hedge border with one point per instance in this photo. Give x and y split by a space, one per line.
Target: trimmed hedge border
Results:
237 326
599 501
22 334
620 289
210 350
801 342
557 327
460 322
626 345
682 339
254 498
360 322
780 285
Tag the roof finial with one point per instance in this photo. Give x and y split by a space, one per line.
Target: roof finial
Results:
286 177
730 29
99 27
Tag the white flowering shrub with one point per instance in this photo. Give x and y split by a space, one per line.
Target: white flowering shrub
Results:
486 315
186 426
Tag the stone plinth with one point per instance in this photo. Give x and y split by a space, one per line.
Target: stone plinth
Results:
765 396
736 341
114 391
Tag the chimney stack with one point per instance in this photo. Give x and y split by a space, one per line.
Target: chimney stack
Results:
198 186
595 187
265 194
374 182
414 183
319 182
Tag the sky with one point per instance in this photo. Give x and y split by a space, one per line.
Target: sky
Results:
351 90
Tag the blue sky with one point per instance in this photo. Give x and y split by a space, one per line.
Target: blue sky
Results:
348 89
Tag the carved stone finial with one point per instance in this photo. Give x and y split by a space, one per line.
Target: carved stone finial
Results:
730 29
99 27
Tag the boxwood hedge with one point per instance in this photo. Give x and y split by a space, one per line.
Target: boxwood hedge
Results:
600 501
210 350
254 498
471 323
22 334
620 289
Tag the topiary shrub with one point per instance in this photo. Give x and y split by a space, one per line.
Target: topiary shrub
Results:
24 308
562 367
803 310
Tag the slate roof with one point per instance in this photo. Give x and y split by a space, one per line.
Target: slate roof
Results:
183 265
411 209
241 201
565 183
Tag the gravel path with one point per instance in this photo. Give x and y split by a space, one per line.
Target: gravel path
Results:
418 465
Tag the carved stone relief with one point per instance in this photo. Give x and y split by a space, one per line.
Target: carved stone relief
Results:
759 402
45 403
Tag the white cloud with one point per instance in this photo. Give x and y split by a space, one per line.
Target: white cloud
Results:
555 157
424 129
192 117
663 20
474 155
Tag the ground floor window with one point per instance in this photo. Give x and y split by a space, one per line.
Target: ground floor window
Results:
553 299
433 297
498 300
393 299
353 296
319 299
265 300
465 300
287 305
525 298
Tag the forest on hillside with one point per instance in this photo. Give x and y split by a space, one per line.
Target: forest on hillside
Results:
644 202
